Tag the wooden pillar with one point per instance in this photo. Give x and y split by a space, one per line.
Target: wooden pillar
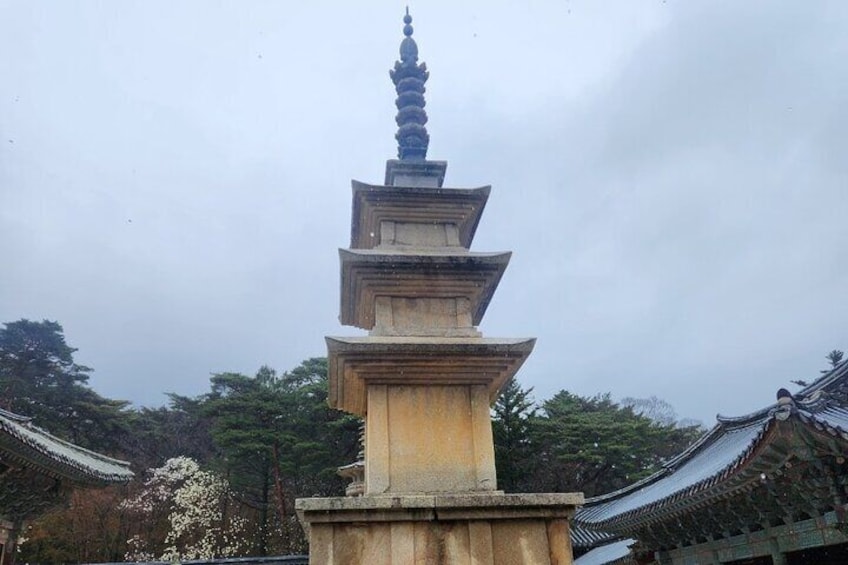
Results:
664 558
777 556
7 549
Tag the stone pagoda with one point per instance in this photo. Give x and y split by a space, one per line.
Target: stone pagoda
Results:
424 378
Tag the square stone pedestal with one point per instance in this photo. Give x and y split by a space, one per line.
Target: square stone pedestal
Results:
449 529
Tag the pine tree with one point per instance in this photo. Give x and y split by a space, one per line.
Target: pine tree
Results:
40 379
512 417
595 446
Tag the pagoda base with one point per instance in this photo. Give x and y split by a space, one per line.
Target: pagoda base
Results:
447 529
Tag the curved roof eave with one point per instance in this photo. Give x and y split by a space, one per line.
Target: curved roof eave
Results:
37 447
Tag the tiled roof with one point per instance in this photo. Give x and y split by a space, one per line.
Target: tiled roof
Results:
583 538
706 465
720 452
609 553
29 444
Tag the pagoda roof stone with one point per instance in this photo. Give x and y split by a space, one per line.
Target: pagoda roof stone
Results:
355 361
416 273
374 204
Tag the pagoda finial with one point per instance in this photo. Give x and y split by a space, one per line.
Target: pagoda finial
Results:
409 78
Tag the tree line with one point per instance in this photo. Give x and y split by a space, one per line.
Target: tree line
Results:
217 474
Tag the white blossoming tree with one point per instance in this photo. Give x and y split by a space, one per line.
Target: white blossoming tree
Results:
196 506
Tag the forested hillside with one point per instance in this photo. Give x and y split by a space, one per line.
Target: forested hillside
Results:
218 474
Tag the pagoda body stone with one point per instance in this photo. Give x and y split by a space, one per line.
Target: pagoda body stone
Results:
424 378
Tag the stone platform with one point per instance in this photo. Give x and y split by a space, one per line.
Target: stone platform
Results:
468 529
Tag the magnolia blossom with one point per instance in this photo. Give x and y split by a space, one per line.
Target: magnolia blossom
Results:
197 502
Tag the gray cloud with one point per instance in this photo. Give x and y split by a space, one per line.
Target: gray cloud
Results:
670 176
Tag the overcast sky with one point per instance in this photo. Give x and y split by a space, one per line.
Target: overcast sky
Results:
671 177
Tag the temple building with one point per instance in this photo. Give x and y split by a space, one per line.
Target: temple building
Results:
766 488
38 471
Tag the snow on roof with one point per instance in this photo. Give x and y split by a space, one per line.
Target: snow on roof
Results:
723 449
608 553
22 440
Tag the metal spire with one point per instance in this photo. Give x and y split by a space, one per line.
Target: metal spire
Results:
409 78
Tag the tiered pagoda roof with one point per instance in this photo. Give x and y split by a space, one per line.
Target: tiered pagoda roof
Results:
783 464
373 204
409 276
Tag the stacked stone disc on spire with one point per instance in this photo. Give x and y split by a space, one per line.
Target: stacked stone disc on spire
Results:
409 78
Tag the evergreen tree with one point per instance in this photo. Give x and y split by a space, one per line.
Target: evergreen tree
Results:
834 358
37 368
40 379
279 441
512 418
180 429
595 446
